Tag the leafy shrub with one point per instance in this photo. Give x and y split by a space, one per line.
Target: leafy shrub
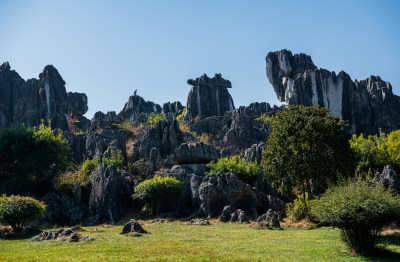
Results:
307 149
371 152
152 191
360 209
31 158
179 118
236 165
298 209
116 159
153 118
18 210
375 152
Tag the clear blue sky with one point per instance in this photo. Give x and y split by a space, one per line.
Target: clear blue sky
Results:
107 49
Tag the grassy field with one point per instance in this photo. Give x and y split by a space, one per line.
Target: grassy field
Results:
178 241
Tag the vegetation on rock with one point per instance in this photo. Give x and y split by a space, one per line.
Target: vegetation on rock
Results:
236 165
153 118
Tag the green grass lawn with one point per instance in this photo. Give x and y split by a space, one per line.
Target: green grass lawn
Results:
177 241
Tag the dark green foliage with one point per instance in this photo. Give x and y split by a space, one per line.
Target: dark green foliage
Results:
18 210
152 191
31 159
236 165
307 149
360 209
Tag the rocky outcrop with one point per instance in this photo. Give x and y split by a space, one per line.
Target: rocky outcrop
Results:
28 102
388 178
368 105
137 109
98 143
161 139
62 234
254 153
198 153
61 209
133 227
208 97
199 221
239 216
269 219
111 190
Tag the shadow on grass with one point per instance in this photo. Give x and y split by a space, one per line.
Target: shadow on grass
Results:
381 252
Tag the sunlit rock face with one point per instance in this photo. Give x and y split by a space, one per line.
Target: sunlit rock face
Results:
208 97
28 102
368 105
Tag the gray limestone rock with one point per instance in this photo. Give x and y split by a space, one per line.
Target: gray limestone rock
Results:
198 153
226 214
133 227
111 191
62 209
28 102
208 97
254 153
199 221
368 105
165 135
388 178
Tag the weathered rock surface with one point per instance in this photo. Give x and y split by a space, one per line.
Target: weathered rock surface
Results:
219 190
133 227
368 105
198 153
270 219
62 209
62 234
97 143
254 153
208 97
388 178
137 109
165 136
239 216
226 214
199 221
28 102
111 191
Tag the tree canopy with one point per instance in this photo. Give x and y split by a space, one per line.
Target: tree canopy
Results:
307 150
31 158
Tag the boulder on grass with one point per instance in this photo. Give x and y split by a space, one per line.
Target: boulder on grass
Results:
133 227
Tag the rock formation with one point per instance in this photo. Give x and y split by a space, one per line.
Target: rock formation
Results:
368 105
208 97
28 102
198 153
388 178
133 227
111 191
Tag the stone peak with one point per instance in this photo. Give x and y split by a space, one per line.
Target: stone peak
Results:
215 81
51 72
5 66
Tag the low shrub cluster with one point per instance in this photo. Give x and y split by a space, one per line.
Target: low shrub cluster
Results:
360 209
153 118
18 210
299 209
236 165
152 191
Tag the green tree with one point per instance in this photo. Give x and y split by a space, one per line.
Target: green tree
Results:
31 159
360 209
307 150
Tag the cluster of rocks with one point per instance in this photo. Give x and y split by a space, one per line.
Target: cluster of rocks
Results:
199 221
28 102
63 234
368 105
388 178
